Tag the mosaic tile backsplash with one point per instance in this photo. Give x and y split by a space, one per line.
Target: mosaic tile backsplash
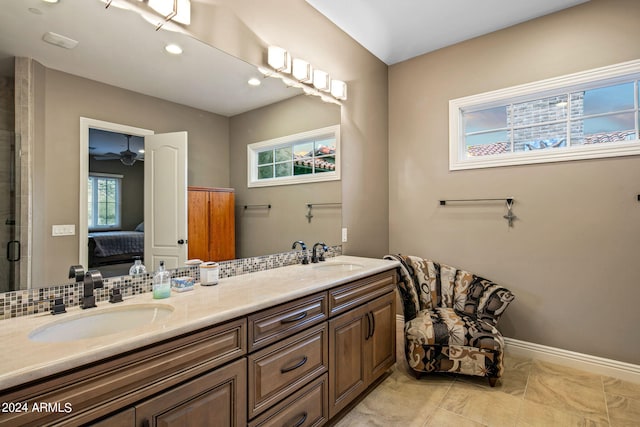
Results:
34 301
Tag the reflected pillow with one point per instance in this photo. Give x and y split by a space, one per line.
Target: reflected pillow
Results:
140 227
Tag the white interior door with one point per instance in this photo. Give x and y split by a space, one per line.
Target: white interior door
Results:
165 200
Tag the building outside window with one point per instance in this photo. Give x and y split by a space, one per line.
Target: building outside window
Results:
586 115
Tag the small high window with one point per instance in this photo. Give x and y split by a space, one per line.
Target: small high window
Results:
585 115
304 157
104 201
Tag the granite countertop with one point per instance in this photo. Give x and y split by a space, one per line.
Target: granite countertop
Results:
26 360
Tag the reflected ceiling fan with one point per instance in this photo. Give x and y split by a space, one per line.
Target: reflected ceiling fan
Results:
127 157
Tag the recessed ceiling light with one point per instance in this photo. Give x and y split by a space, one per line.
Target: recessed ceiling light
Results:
51 1
254 81
173 49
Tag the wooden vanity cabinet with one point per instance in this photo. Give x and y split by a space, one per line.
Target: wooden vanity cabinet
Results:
107 387
359 338
362 347
298 363
211 223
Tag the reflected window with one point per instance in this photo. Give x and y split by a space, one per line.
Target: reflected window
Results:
584 115
104 207
305 157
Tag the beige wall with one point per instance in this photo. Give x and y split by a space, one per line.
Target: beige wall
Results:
65 98
297 27
572 256
267 231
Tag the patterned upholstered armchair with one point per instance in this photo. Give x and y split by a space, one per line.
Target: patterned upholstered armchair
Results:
450 319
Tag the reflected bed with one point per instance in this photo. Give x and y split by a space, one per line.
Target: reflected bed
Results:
113 247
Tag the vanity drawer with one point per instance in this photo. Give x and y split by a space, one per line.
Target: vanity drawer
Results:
353 294
308 407
271 325
277 371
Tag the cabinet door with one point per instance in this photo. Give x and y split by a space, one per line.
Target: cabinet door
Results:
198 225
380 349
222 235
347 378
216 399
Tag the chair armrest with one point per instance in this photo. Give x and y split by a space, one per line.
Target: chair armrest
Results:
490 299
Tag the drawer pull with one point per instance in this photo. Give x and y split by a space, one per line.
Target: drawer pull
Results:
294 318
296 366
301 421
369 324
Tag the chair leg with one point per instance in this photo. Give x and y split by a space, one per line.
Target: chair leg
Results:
493 381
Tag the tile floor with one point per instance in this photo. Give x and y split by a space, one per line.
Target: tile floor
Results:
531 393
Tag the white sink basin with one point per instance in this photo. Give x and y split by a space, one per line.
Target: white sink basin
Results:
103 322
338 266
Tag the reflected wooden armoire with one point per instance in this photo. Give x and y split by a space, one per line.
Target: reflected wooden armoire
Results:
211 223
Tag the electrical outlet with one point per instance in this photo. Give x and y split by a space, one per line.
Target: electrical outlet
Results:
344 234
63 230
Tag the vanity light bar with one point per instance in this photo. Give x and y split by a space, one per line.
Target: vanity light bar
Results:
296 72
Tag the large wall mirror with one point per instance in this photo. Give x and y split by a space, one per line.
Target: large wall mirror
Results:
120 73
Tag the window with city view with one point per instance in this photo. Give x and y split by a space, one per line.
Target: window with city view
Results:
585 115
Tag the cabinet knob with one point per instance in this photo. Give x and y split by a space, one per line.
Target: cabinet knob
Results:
181 242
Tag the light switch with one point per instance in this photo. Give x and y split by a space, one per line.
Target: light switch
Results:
63 230
344 234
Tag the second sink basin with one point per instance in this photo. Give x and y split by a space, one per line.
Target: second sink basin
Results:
338 266
102 322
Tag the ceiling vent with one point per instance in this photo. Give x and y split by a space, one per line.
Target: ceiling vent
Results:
60 41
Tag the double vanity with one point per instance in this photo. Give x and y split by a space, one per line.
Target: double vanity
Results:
288 346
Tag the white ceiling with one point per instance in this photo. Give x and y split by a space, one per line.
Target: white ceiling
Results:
119 48
397 30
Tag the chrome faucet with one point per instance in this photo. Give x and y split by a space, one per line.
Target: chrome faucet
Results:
315 258
305 259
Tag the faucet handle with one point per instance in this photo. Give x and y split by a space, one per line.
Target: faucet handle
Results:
76 272
325 248
94 278
58 306
115 296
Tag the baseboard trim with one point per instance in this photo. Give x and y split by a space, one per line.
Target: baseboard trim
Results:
599 365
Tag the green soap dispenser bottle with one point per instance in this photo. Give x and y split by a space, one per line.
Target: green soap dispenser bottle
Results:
161 283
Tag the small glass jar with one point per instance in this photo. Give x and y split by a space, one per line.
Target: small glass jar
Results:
137 267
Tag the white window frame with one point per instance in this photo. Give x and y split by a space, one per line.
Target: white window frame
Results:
458 159
94 207
255 148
